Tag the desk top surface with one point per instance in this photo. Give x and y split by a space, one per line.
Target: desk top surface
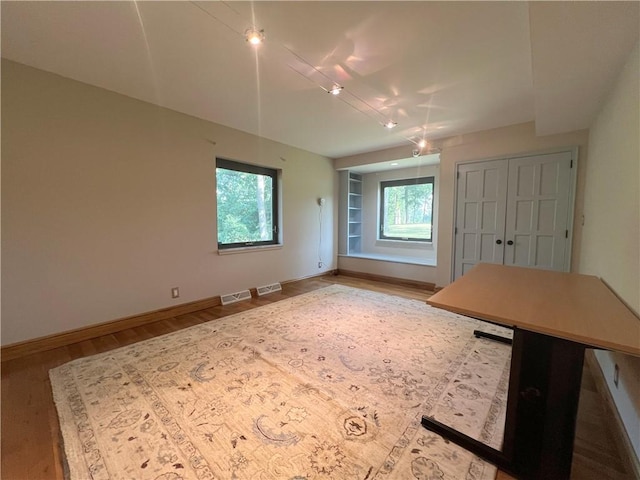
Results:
575 307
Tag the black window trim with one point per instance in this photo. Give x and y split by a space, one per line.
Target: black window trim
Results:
398 183
257 170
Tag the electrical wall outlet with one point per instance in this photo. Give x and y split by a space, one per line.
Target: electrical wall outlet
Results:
320 264
175 292
616 375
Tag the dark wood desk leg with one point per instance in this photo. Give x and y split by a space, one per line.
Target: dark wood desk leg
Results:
543 405
544 389
492 336
480 449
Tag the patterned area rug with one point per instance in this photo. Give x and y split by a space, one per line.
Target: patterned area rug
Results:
331 384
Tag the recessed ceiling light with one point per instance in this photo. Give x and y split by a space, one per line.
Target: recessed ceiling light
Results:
390 124
254 36
422 143
335 90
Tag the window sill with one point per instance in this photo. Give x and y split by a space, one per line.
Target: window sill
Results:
387 242
393 258
233 251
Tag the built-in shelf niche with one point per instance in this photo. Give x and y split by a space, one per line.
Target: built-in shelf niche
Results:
351 213
355 213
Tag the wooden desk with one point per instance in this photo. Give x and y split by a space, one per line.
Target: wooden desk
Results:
555 316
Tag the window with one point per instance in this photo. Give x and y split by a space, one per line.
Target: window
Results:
406 209
247 198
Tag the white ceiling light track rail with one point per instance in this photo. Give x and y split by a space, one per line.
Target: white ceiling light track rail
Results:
231 18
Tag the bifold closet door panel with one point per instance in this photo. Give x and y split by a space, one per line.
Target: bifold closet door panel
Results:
514 211
538 200
480 214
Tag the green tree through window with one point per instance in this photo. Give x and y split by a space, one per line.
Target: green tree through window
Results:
247 204
406 209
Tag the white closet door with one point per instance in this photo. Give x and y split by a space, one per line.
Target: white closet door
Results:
480 214
538 200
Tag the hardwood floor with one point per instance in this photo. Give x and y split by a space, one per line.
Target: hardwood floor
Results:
31 447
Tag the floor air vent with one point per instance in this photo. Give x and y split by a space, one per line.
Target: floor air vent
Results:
274 287
235 297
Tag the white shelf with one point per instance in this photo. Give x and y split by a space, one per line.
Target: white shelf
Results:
354 225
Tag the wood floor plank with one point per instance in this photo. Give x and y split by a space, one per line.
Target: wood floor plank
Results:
30 442
29 400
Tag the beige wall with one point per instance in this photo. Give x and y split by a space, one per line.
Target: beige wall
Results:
405 253
498 143
370 214
381 253
406 271
611 233
489 144
108 202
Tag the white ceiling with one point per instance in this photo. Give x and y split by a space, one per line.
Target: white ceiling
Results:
436 68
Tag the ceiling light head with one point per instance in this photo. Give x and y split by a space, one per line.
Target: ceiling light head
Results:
390 124
254 36
422 143
335 90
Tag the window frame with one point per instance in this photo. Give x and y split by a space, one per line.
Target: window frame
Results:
405 182
236 166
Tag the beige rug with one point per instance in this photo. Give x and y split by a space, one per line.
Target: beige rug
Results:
327 385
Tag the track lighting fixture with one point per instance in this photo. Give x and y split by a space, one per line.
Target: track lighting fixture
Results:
254 36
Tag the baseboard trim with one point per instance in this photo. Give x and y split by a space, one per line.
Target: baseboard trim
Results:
56 340
49 342
393 280
317 275
618 430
